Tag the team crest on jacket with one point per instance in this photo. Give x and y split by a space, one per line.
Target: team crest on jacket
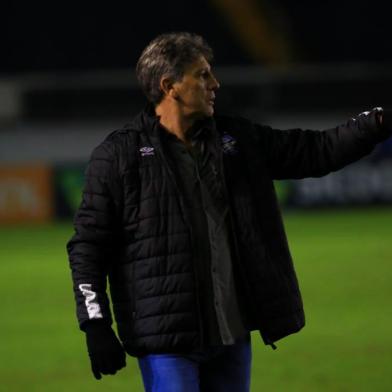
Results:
229 144
146 151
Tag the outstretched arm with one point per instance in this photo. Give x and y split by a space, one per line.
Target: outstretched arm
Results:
297 153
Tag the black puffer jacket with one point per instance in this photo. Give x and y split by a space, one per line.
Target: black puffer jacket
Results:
132 227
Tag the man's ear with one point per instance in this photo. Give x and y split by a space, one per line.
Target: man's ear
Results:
167 86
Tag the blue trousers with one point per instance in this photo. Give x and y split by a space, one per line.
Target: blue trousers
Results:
216 369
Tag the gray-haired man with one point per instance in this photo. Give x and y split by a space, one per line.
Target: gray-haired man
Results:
179 212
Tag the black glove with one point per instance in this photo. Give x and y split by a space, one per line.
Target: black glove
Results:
106 352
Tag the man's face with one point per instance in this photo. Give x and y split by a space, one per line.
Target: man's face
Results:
196 90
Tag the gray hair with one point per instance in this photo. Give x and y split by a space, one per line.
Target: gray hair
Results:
168 55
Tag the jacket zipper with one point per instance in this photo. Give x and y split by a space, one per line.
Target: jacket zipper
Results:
188 224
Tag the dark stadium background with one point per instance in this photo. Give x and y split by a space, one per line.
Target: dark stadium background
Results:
67 79
70 36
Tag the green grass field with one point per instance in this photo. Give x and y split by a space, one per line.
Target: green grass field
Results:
344 264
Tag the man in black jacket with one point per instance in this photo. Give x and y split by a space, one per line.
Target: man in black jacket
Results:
180 214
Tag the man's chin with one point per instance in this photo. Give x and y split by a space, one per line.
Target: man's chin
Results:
210 111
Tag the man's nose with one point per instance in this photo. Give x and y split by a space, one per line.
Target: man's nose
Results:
214 83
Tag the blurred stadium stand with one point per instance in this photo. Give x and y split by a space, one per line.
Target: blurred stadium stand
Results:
44 107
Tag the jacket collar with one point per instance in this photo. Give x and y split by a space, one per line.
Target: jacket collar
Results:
148 121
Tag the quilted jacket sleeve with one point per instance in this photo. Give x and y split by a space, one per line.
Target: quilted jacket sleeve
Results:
92 248
298 153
